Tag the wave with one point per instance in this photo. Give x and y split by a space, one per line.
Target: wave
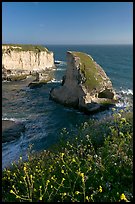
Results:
55 81
14 119
126 92
5 81
60 69
125 97
60 63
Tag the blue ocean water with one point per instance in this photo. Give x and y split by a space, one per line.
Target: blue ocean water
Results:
43 118
116 60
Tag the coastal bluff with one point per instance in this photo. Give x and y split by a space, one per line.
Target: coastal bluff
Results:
85 85
18 59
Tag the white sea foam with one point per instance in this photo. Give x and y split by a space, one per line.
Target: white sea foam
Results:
5 81
55 81
122 104
125 98
60 69
14 119
61 63
126 92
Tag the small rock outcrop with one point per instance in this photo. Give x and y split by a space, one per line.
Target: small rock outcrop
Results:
11 130
18 61
85 85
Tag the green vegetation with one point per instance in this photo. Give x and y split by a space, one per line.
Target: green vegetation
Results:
25 47
94 165
89 70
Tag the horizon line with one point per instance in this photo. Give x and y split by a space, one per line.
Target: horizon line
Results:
69 44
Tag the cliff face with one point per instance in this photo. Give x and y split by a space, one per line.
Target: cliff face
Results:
85 86
28 59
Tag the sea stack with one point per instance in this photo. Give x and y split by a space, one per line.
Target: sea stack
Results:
85 85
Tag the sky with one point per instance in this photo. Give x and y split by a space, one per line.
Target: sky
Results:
67 22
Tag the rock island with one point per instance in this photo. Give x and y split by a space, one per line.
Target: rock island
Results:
85 85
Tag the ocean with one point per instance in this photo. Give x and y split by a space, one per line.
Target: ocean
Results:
43 118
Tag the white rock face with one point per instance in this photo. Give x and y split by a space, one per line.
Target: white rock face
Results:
27 60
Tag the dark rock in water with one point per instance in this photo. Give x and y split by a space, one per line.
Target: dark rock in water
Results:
85 86
33 85
63 80
41 79
11 130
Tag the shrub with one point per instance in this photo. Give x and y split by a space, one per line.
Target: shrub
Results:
77 171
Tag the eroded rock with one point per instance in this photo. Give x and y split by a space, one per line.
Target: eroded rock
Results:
85 86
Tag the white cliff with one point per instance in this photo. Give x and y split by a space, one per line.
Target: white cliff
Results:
26 60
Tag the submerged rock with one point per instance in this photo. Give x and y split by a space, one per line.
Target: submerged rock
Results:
85 85
11 130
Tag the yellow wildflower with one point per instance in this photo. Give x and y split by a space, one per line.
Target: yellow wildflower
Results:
64 194
123 197
62 171
63 179
113 109
11 191
47 182
118 115
90 168
24 168
77 192
40 198
82 174
73 160
24 177
100 189
87 198
123 120
62 154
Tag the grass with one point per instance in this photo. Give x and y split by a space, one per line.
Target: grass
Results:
89 70
25 47
94 165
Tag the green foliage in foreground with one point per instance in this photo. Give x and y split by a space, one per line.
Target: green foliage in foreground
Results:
81 170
